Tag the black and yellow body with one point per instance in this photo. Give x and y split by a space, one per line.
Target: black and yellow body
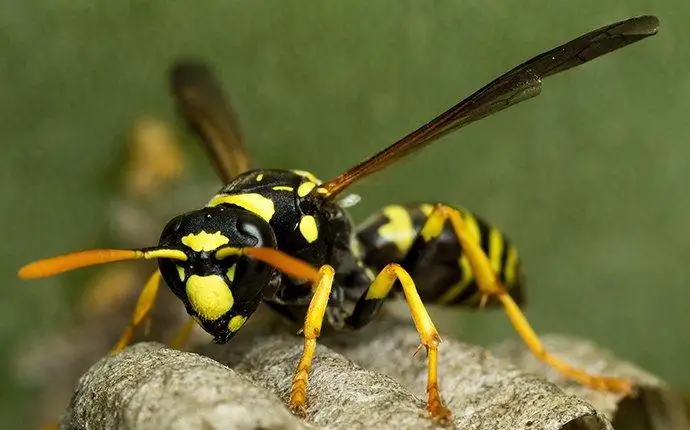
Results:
281 236
287 210
441 270
282 209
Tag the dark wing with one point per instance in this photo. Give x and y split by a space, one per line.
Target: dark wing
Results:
513 87
202 103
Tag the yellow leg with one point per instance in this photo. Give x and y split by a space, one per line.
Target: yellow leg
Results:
489 285
142 308
428 334
182 335
532 341
379 289
312 328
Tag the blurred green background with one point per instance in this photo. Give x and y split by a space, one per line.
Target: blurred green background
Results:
590 179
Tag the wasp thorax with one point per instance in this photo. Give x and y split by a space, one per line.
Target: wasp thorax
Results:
220 289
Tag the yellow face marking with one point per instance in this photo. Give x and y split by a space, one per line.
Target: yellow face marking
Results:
227 252
495 249
305 188
231 272
253 202
282 188
259 177
204 241
236 322
308 175
399 229
308 228
456 289
209 296
180 273
511 266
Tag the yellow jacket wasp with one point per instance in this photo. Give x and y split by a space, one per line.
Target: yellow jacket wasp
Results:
280 236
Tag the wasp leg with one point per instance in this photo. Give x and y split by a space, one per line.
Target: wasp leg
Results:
489 285
312 327
369 304
144 304
182 335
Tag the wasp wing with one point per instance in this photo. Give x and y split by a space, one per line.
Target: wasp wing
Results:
519 84
204 106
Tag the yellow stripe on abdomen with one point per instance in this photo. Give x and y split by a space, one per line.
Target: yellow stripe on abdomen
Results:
495 251
472 224
399 228
511 267
454 291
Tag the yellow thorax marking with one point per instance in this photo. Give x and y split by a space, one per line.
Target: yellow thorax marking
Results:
282 188
259 177
236 322
399 228
308 228
204 241
308 175
180 273
305 188
253 202
209 296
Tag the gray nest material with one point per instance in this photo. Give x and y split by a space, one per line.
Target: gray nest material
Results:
244 385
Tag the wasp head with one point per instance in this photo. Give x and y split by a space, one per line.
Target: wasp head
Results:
219 286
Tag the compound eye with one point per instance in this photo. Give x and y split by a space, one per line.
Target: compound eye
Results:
252 231
256 231
172 227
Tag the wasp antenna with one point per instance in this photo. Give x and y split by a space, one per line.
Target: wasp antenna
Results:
65 263
285 263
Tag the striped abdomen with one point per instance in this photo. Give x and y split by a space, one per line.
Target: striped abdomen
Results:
440 269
